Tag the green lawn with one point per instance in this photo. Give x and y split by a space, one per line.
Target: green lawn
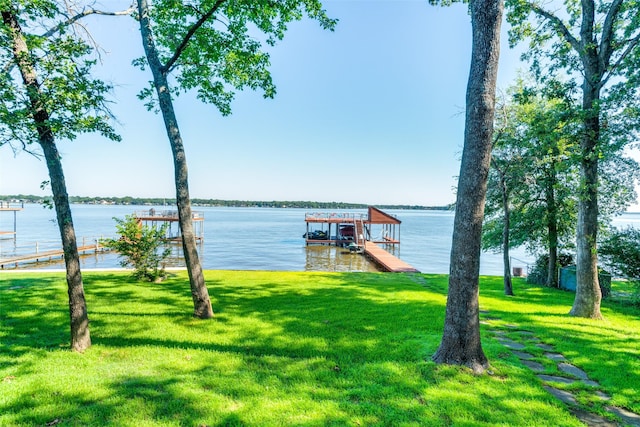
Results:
292 349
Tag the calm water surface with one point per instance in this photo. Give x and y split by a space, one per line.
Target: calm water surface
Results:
256 239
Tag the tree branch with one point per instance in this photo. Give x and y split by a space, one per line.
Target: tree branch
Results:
183 44
86 13
555 21
607 34
632 44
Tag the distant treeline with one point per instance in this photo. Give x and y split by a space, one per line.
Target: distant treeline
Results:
22 198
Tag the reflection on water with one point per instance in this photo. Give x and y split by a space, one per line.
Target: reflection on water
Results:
335 258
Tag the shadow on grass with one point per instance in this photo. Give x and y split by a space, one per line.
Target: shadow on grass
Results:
320 349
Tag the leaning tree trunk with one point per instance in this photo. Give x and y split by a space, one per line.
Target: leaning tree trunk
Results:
588 294
80 337
460 343
199 292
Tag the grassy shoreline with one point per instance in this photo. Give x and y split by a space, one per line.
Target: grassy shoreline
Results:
292 348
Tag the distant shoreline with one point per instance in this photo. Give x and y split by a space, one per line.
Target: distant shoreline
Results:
155 201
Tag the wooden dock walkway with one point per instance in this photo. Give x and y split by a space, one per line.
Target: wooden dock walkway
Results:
48 255
387 261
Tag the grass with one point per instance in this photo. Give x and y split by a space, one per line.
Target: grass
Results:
291 349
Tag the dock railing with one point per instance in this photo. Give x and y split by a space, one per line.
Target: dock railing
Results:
326 216
161 214
13 254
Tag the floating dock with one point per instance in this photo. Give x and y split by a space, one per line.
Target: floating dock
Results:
360 233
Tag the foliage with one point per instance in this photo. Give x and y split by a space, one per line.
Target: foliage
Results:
141 246
222 53
621 253
596 44
293 348
536 150
533 170
76 102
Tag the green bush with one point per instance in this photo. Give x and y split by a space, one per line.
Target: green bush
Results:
620 251
141 247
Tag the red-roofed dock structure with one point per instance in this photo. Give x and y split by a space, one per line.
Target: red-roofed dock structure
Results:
361 233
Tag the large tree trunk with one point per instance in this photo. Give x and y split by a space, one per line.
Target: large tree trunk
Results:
461 337
199 292
588 294
80 337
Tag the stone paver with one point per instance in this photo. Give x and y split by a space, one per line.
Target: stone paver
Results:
554 356
568 368
556 379
534 366
523 355
562 395
545 347
509 343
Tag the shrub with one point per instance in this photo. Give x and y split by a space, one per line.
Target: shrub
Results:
141 247
621 253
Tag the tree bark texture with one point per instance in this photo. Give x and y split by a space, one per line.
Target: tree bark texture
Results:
79 319
199 292
588 294
460 343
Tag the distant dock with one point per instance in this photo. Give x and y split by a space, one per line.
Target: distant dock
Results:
8 207
361 234
155 217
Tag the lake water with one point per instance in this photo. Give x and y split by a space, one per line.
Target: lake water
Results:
256 239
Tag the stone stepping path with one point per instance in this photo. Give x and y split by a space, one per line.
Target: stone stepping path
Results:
572 374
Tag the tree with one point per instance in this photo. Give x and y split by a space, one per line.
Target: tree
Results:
599 44
533 160
47 92
460 343
209 45
496 231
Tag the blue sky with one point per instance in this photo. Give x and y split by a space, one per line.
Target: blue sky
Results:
370 113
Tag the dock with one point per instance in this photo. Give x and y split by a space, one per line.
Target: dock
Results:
154 218
7 207
361 233
47 255
386 261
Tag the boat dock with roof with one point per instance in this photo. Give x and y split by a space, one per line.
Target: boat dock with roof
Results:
154 218
360 233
